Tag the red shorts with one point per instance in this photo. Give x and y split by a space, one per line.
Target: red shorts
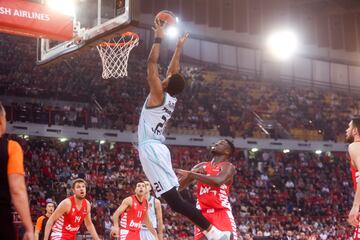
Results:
129 235
221 219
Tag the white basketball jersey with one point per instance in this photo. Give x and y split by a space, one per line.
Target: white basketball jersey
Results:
151 212
153 120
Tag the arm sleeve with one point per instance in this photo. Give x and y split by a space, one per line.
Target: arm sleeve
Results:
16 158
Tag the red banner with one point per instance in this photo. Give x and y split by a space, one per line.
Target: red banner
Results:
34 20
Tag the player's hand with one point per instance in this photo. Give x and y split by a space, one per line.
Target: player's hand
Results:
159 29
114 231
160 236
183 174
29 235
353 216
200 170
180 43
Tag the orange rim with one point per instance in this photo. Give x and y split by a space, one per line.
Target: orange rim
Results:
135 38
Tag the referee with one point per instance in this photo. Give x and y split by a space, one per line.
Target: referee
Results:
12 186
42 220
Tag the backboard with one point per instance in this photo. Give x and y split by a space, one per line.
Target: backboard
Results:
94 21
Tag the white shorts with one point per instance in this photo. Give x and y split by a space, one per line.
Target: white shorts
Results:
156 162
146 235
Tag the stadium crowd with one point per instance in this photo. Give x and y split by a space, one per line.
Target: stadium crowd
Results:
216 101
303 195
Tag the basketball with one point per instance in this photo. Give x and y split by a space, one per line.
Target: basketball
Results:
166 17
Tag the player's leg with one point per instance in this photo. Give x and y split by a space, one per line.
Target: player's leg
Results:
146 235
198 234
156 162
222 220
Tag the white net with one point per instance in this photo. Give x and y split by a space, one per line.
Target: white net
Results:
115 54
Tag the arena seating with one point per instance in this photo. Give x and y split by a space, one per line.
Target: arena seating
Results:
116 104
273 193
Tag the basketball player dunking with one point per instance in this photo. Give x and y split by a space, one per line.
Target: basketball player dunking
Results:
70 214
155 215
132 212
353 137
214 180
154 155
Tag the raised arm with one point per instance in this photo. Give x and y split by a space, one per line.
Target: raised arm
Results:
62 209
89 225
156 90
174 66
227 172
354 152
160 224
126 203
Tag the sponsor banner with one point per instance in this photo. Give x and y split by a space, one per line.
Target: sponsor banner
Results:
34 20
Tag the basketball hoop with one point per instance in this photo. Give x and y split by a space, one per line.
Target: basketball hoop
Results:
115 54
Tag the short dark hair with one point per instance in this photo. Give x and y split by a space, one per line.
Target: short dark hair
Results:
78 180
176 84
140 181
231 145
53 203
356 122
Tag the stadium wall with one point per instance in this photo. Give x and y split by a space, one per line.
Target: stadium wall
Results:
65 132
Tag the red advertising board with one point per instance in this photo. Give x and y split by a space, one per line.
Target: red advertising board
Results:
34 20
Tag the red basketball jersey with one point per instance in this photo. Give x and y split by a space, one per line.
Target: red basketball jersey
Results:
211 197
353 171
133 217
67 226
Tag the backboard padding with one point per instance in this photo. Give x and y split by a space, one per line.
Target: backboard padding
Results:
104 29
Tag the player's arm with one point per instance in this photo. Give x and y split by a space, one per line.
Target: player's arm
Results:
39 222
149 225
88 223
227 171
174 66
354 152
62 209
185 181
159 217
126 203
18 192
156 90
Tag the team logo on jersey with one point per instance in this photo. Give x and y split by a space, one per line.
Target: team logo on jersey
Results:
171 105
71 229
134 204
73 210
205 190
150 205
77 219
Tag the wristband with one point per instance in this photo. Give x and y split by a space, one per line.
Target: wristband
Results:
157 40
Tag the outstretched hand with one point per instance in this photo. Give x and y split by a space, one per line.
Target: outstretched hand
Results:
182 40
159 29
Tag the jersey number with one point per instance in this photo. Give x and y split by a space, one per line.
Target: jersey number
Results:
139 214
158 186
159 126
